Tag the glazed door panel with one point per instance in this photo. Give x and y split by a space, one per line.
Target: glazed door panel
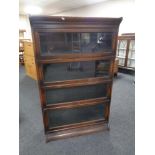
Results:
61 117
76 70
54 96
121 51
131 54
54 44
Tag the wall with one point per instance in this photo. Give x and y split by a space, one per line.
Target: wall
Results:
110 8
25 24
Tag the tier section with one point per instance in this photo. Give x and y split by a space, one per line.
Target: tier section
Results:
69 94
60 43
62 117
76 70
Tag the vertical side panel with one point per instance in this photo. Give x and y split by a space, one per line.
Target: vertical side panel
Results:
36 46
109 86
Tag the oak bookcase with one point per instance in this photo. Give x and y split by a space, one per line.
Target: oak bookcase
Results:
74 59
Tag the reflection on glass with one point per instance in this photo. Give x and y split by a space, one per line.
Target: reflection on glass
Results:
121 53
75 93
121 61
121 49
76 70
131 63
76 115
132 45
65 43
131 53
122 44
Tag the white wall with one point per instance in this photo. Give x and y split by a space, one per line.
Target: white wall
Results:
25 24
110 8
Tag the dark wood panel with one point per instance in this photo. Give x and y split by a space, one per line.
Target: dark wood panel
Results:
76 26
104 53
75 83
39 78
52 19
74 59
73 104
105 29
77 131
70 24
126 37
43 21
45 120
39 69
75 126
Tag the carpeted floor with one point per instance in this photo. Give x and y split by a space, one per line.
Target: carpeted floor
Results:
118 141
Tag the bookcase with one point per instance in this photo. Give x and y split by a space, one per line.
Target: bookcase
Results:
74 59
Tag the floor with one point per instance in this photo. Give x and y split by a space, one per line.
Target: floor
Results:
118 141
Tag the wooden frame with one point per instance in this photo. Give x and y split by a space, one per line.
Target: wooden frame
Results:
42 24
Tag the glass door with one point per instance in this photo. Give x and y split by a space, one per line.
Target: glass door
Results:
121 51
131 54
60 43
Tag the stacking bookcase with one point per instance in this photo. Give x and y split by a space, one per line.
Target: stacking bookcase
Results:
74 57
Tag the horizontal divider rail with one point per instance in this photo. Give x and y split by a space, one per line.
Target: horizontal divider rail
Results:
80 54
79 103
75 83
76 125
74 58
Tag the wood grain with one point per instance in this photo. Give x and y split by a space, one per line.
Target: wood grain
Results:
75 83
74 104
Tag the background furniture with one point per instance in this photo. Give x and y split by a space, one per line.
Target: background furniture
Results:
21 52
21 46
22 39
126 51
116 67
29 59
74 59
